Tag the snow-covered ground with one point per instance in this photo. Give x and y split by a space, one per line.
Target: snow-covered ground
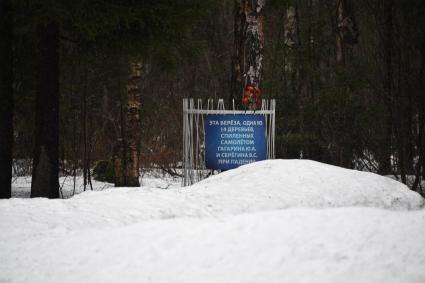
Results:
272 221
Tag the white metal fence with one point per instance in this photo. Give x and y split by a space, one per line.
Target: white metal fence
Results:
194 169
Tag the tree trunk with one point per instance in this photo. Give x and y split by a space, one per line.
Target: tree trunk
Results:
420 143
6 96
385 162
247 68
126 156
291 31
45 172
291 27
348 34
236 86
339 42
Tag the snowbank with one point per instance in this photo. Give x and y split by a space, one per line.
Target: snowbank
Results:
257 223
294 245
306 183
262 186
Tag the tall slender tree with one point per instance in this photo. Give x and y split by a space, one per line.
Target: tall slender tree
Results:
347 34
247 61
126 159
45 175
6 97
291 34
385 161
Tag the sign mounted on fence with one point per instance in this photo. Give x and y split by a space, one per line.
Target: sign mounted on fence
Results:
215 138
232 140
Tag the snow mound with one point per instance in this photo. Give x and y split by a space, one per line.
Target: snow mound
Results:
231 227
258 187
295 245
305 183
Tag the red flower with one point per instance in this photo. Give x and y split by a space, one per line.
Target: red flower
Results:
258 91
250 88
245 100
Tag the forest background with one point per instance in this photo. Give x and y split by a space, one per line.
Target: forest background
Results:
348 77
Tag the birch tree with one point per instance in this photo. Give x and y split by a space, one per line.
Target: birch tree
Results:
247 61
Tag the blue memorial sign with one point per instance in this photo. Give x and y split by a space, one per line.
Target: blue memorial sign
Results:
234 140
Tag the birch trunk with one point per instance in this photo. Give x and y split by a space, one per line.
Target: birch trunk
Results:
247 61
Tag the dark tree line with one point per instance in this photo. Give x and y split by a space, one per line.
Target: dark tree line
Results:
46 36
6 92
348 77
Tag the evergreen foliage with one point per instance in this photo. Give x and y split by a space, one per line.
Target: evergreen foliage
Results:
353 103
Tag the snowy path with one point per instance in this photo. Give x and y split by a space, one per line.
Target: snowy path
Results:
275 221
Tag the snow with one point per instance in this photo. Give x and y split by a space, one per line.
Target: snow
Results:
22 186
271 221
294 183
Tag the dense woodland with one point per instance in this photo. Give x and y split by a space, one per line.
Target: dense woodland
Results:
89 81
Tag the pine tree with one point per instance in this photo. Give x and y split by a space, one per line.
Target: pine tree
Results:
6 97
129 29
126 159
348 34
45 175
